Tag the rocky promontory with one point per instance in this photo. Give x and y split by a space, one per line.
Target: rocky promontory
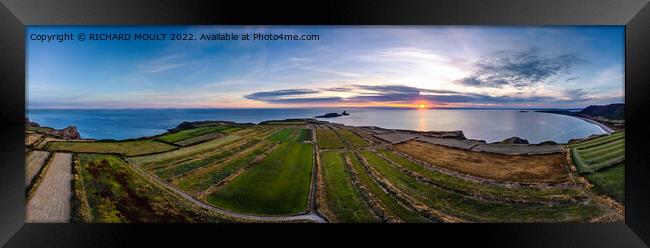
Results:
68 133
332 115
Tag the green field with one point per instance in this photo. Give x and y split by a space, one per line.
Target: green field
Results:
343 198
602 152
291 135
115 193
279 184
465 207
610 181
352 138
390 202
201 181
127 148
327 139
191 133
176 169
182 153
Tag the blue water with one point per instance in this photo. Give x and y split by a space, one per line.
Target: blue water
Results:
488 125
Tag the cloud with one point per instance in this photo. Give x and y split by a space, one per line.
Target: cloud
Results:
162 64
575 93
402 94
519 68
295 96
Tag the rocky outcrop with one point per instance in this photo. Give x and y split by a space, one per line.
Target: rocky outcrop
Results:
548 142
332 115
513 140
445 134
69 132
29 124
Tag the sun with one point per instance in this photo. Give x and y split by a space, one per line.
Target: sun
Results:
422 106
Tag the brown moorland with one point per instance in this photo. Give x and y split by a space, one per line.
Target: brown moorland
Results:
547 168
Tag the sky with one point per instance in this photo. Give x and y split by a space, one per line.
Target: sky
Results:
348 66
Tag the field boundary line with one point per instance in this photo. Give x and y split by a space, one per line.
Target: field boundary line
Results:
421 208
376 206
79 200
227 213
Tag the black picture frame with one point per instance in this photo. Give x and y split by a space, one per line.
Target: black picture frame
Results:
634 14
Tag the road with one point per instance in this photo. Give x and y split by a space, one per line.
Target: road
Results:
51 200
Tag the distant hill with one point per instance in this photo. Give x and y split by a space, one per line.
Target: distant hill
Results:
614 111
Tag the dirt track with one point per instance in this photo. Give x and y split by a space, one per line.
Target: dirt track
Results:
51 200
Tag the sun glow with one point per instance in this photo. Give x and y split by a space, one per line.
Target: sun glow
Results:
422 106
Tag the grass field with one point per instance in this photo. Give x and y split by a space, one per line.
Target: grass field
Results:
480 210
343 198
203 179
182 152
602 152
279 184
180 168
352 138
327 139
127 148
199 139
191 133
610 181
291 135
387 200
116 193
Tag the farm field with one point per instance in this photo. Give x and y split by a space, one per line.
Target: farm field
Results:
455 205
291 135
199 182
327 139
602 152
548 168
265 173
610 181
343 198
352 138
179 168
393 206
199 139
285 175
182 152
191 133
481 189
127 148
31 138
116 194
602 161
33 164
50 202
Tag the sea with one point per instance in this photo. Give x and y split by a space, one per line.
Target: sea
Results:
490 125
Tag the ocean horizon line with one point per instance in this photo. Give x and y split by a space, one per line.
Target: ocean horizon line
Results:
378 107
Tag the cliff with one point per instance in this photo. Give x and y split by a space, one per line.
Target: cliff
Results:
612 111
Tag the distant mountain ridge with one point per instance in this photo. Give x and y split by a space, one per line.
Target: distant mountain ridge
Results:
614 111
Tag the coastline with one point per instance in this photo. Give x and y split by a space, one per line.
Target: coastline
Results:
137 124
603 127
